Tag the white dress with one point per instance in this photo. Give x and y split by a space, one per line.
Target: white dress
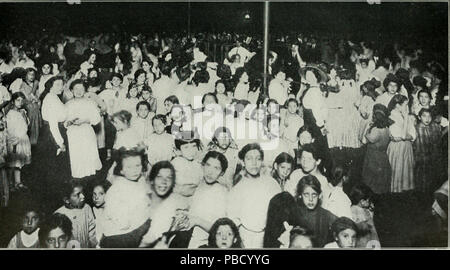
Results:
241 91
83 152
17 128
159 147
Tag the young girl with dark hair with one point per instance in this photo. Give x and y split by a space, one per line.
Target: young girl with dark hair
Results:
160 145
338 202
282 168
224 234
376 171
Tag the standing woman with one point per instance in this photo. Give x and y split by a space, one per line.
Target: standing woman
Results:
82 114
376 172
53 166
29 88
400 150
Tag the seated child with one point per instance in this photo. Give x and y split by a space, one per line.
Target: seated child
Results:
344 232
28 236
55 232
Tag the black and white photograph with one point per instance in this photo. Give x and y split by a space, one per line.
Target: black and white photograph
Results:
223 125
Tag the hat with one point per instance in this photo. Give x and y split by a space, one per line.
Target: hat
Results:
391 78
319 68
420 81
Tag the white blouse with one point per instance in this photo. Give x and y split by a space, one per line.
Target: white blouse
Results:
54 111
315 101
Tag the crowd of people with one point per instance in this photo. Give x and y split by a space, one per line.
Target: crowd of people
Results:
126 141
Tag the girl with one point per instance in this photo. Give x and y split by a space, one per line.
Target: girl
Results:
362 214
169 102
282 209
344 232
249 199
127 204
98 206
146 95
427 153
202 87
88 63
392 85
338 202
31 103
140 79
142 124
314 217
279 88
160 145
424 98
80 214
300 238
224 234
147 66
19 147
28 236
132 99
365 107
376 171
242 84
126 136
291 123
82 114
282 168
400 151
222 93
55 232
209 201
46 73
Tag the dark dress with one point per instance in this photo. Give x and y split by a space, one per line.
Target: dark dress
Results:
376 171
318 221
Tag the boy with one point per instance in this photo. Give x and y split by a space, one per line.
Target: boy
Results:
28 236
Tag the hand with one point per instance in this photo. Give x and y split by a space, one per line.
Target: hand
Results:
62 147
285 236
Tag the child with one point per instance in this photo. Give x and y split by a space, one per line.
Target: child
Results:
126 136
291 123
127 204
424 98
19 147
28 236
223 96
187 167
81 215
338 202
300 238
114 94
169 102
98 201
55 232
146 95
142 123
160 145
132 99
282 168
224 234
427 153
4 185
344 232
362 214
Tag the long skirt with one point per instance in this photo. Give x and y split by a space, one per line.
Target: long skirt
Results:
34 115
401 158
376 171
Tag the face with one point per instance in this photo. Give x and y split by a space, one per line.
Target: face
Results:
145 66
212 170
403 107
92 58
225 237
223 140
283 169
253 162
272 108
363 64
301 242
424 99
244 78
30 222
76 199
346 238
158 126
189 150
57 87
57 239
116 82
310 198
292 107
119 125
30 76
177 113
18 103
308 162
209 100
46 69
98 196
168 106
220 88
143 111
146 95
392 88
132 168
163 182
78 90
426 118
281 75
141 78
133 92
305 138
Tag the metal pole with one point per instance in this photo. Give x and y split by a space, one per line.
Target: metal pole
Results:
266 43
189 19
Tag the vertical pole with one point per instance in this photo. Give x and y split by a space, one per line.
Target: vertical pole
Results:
266 43
189 19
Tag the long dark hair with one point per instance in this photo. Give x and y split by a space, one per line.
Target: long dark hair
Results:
380 118
49 84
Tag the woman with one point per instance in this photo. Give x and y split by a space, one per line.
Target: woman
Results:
209 200
29 88
392 85
242 84
376 171
88 64
249 199
314 217
400 150
82 114
53 166
365 107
